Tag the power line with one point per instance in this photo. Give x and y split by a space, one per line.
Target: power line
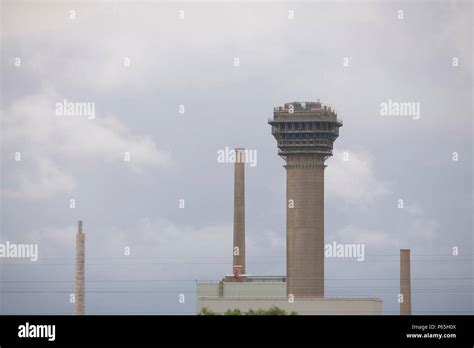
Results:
345 292
332 260
248 258
213 280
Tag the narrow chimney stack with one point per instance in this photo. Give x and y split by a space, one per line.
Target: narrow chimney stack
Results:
80 271
239 214
405 282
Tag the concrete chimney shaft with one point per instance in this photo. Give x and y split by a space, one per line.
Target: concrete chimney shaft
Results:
80 271
239 213
405 282
305 134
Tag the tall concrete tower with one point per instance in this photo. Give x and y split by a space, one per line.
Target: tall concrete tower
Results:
80 270
239 214
405 282
305 133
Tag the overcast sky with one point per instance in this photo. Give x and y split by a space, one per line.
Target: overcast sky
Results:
190 62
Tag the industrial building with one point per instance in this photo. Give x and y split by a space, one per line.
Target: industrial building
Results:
305 133
265 292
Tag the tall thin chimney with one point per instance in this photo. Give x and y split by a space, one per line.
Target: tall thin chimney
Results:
405 282
80 269
239 213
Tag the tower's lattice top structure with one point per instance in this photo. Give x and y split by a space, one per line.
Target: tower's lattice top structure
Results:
305 128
